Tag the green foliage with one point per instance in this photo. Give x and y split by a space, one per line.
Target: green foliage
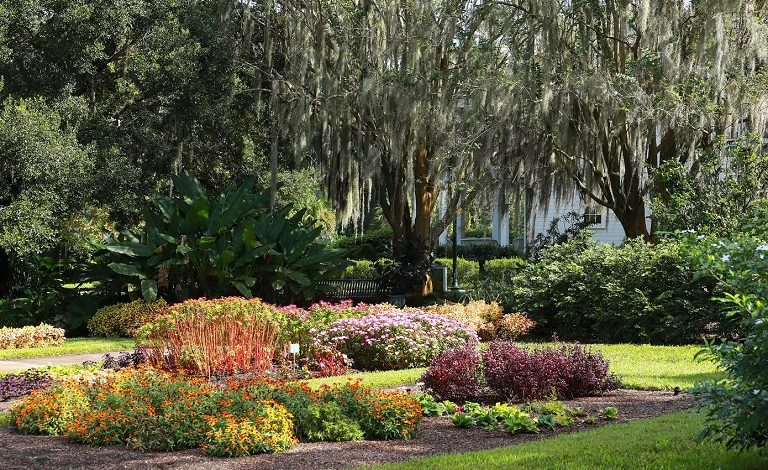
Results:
520 421
302 189
611 412
431 407
362 269
468 271
124 320
463 420
637 293
193 245
503 268
326 422
45 176
737 406
715 197
149 85
369 246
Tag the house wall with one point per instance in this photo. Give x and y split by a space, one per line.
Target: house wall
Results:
610 231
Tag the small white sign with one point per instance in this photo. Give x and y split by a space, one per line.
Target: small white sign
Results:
293 348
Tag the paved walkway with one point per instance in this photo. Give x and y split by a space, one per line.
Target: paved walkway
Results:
72 359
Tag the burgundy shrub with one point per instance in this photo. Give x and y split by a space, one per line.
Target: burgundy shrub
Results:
454 375
587 373
513 372
533 374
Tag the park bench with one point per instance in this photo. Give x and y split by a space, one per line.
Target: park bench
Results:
360 290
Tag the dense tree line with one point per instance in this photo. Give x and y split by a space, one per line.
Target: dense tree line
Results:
396 102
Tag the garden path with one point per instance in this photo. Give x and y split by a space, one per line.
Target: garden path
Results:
71 359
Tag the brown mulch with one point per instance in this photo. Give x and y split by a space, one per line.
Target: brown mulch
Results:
437 436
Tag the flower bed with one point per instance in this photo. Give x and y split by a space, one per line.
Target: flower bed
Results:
31 337
150 409
395 339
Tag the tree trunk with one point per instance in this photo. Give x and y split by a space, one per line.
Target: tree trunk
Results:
633 221
412 240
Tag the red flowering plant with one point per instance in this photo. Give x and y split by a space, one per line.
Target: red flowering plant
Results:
215 337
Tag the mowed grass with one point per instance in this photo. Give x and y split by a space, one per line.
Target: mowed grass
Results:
71 346
666 442
641 367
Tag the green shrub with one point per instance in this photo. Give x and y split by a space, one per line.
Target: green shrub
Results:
326 422
196 244
737 406
636 292
468 271
124 320
503 268
369 246
360 269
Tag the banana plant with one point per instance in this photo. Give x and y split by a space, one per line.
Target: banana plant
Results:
193 245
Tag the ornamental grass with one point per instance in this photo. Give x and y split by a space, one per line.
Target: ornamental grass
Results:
215 337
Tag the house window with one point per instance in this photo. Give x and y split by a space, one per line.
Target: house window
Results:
593 215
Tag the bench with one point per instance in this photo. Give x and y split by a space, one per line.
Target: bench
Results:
361 290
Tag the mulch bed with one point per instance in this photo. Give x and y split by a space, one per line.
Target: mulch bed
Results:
437 436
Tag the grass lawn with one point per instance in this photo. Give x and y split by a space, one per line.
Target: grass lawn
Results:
641 367
666 442
71 346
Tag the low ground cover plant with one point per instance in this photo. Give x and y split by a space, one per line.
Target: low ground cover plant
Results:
23 383
125 319
31 336
395 339
511 371
150 409
214 337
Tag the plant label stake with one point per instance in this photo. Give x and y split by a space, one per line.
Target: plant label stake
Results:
294 349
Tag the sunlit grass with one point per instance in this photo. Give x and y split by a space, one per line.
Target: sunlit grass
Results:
71 346
666 442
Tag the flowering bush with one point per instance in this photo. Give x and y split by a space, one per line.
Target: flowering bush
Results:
737 406
18 385
526 374
487 319
381 415
454 375
214 337
31 337
395 339
50 410
513 325
266 427
125 319
300 322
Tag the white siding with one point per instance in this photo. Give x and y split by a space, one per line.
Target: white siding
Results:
610 231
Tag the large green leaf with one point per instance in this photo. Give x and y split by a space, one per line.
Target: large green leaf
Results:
295 276
252 255
149 289
189 186
240 286
126 270
131 249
